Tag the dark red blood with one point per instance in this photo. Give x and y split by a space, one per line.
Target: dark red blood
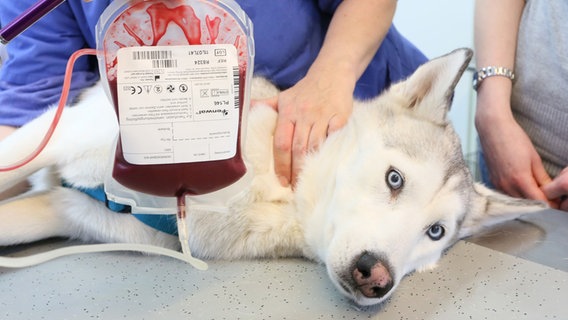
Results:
170 180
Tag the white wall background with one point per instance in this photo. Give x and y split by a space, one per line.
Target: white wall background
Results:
438 27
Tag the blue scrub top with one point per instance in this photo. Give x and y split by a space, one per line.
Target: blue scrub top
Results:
288 36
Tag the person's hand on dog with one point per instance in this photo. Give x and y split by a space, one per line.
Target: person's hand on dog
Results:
322 101
557 190
514 164
307 113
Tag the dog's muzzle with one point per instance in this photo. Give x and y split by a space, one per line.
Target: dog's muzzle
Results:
372 276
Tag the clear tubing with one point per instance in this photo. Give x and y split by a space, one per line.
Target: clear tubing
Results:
183 234
181 216
36 259
59 111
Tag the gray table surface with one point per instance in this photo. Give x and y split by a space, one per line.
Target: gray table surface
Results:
516 271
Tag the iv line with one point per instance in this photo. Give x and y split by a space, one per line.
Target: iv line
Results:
20 262
59 111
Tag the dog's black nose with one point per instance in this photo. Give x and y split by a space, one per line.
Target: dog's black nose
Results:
372 276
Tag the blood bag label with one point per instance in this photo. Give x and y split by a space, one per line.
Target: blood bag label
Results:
178 104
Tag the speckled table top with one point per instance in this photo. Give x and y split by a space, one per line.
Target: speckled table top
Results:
484 278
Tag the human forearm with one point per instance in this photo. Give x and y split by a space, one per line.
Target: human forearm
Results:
356 31
514 164
496 29
321 102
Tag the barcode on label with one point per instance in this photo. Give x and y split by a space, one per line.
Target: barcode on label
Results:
152 55
164 63
236 86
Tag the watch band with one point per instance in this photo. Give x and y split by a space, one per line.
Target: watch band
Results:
491 71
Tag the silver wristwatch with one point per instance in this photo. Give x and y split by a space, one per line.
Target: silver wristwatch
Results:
491 71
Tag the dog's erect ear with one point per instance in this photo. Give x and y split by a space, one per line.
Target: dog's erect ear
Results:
490 207
429 91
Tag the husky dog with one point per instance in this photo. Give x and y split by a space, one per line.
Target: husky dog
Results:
382 197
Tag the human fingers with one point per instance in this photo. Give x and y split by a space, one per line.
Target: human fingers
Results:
539 173
336 122
282 150
558 187
529 189
517 180
554 189
300 147
516 168
307 138
282 140
530 186
516 183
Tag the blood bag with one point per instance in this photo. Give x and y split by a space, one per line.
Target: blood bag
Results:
178 74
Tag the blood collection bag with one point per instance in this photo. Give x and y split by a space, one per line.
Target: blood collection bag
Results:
178 75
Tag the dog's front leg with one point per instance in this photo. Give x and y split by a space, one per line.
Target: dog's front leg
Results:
28 219
68 213
15 148
85 131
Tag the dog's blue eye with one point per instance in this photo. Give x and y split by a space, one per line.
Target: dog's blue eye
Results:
394 179
436 232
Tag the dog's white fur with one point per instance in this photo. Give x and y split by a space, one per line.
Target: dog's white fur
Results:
342 209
